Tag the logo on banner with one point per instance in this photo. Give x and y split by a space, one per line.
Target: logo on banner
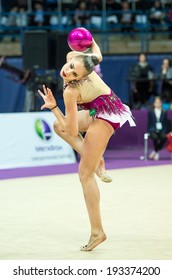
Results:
43 130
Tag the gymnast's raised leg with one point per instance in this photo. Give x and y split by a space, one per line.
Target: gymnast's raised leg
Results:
84 121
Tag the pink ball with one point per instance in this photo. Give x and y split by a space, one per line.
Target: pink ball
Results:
79 39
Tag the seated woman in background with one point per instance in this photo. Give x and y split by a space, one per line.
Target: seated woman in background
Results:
157 16
82 15
157 127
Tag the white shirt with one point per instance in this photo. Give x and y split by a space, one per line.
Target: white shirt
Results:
157 113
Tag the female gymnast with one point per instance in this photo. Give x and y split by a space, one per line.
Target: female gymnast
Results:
102 113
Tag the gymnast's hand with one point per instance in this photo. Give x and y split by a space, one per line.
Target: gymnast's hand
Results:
48 98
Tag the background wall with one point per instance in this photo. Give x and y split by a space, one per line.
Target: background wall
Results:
115 73
12 93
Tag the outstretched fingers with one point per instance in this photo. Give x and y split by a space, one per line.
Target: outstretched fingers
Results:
43 96
48 98
41 93
49 92
44 89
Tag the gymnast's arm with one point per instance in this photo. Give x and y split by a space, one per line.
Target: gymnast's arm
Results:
95 50
70 96
69 122
50 103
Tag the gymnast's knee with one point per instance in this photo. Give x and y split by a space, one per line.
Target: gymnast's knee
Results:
85 173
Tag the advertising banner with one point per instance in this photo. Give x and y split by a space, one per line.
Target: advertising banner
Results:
28 139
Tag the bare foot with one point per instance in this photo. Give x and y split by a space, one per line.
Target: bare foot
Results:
105 177
102 173
94 242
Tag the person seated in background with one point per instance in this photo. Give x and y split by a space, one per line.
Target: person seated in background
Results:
9 21
95 5
169 21
12 17
142 5
141 18
95 9
82 15
143 86
22 17
166 75
156 16
157 127
51 5
112 13
38 18
126 17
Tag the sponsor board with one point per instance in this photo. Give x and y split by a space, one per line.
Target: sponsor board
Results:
28 139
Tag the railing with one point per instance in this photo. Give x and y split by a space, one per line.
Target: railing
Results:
105 23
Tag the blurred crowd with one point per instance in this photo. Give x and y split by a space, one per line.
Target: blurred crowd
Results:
146 84
127 15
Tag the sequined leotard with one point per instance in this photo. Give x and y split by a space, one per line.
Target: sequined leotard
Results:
101 101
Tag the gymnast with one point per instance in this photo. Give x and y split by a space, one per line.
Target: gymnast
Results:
101 113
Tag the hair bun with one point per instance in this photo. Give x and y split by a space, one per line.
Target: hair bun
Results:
95 59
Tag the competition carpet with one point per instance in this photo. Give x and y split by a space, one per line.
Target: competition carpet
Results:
43 214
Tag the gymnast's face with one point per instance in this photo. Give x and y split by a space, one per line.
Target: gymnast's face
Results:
73 70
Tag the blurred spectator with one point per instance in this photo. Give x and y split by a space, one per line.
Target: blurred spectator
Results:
141 19
113 9
3 20
38 18
22 3
82 15
7 5
167 4
12 17
112 5
169 22
10 21
157 127
68 8
50 4
95 5
143 85
55 22
156 16
143 5
166 73
68 5
126 18
95 8
22 17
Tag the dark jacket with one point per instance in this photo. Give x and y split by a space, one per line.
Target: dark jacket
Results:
152 121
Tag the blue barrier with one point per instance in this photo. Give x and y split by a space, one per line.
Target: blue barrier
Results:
115 73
